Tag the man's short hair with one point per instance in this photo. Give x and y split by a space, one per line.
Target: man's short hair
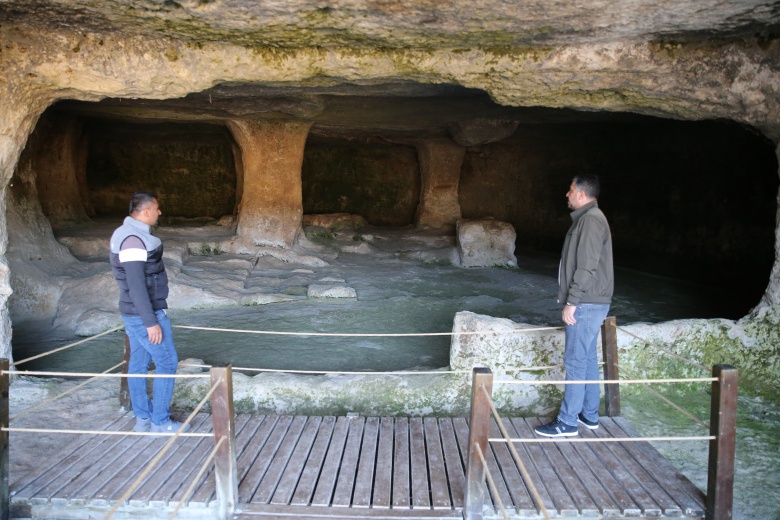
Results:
588 184
141 199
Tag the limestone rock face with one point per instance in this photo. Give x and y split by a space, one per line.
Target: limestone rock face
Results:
485 243
480 131
503 346
331 291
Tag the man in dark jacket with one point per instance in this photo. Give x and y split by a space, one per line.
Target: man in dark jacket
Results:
136 260
586 282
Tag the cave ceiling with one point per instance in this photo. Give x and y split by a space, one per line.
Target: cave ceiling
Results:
389 108
402 23
402 111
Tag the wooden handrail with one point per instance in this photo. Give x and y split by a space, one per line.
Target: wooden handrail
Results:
222 415
723 425
5 498
479 428
124 390
610 352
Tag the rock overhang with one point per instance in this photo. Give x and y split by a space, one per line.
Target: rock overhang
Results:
399 24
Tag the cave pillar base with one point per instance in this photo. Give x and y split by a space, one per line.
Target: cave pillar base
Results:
440 163
271 208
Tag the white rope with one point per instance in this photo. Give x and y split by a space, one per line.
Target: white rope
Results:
410 372
105 374
203 468
102 432
162 452
286 371
66 346
63 394
368 335
692 363
607 439
608 381
492 484
526 477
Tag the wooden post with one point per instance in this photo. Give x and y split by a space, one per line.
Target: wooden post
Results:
610 351
124 391
5 500
723 425
222 414
479 427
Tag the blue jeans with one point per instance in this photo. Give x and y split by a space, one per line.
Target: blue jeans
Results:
165 361
581 363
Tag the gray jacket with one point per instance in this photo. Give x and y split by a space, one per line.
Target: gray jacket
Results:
585 274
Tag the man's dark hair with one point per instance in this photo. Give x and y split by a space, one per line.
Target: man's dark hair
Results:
141 199
588 184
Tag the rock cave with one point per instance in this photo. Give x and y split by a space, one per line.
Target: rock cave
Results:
282 136
399 115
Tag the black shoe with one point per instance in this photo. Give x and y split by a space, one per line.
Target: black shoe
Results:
556 429
591 425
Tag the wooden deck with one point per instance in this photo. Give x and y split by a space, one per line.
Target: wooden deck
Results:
357 467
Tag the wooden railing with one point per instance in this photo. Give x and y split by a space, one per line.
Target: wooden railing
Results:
721 450
723 425
222 414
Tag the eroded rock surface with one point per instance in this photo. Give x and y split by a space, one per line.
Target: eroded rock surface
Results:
486 243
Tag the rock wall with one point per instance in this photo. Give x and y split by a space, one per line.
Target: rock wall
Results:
189 166
57 159
378 182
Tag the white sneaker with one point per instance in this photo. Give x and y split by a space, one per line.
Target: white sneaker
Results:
169 427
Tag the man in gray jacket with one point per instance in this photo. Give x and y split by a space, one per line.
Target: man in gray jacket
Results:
586 282
137 263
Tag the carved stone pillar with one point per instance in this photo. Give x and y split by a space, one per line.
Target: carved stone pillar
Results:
271 208
440 162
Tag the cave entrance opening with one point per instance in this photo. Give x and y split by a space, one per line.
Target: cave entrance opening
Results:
692 205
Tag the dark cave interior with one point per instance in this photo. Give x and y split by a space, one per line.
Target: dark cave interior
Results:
692 200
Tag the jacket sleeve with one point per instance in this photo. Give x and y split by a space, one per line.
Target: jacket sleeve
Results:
590 244
136 282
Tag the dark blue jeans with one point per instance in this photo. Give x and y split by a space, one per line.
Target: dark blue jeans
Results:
581 363
142 352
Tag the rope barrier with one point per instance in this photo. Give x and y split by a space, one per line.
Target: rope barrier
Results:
63 394
367 335
162 452
191 487
692 363
320 372
100 432
670 403
606 439
399 373
490 481
66 346
526 477
105 374
608 381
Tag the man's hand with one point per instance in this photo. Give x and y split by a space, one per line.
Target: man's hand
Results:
568 314
155 334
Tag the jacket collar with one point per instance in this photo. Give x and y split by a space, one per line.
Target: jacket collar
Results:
577 213
130 221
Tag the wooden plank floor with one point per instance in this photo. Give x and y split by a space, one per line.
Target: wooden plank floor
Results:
362 467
